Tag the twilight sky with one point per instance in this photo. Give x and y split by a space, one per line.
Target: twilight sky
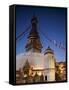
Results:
51 22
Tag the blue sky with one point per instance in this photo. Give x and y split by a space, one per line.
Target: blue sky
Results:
51 21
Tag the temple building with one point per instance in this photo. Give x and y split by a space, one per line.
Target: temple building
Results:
60 73
34 66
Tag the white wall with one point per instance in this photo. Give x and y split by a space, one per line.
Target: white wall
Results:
4 44
50 64
36 60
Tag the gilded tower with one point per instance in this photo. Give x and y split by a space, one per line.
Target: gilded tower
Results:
33 44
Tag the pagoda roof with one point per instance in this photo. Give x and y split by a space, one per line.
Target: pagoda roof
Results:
49 50
27 65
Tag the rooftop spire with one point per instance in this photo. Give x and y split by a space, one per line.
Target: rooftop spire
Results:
33 32
34 43
49 50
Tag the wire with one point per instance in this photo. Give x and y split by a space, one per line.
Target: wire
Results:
53 41
45 35
22 33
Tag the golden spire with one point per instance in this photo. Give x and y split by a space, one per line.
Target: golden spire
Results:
34 43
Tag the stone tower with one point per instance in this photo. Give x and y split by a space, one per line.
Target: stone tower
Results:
33 44
49 65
